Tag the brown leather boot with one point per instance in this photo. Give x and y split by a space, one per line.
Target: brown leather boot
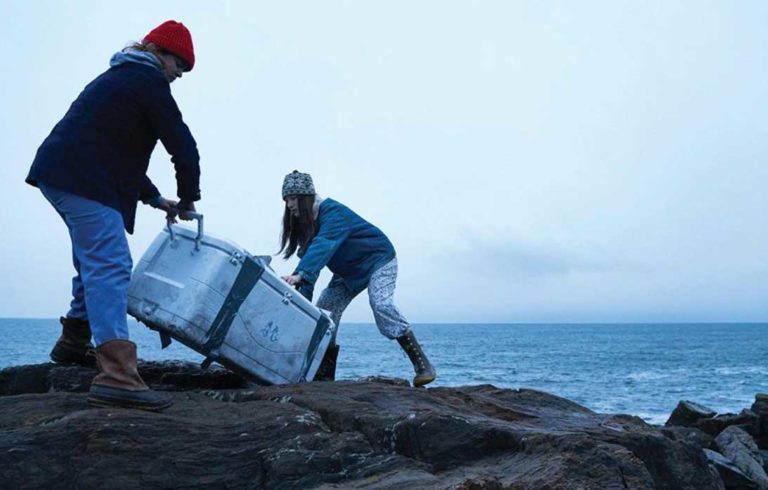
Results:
118 383
74 346
425 373
327 369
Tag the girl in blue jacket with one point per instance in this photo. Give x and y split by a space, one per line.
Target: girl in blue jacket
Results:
92 169
323 232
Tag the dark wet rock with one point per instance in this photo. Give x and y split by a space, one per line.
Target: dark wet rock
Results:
690 435
740 448
166 375
386 380
732 476
183 376
687 413
745 420
760 408
361 434
27 379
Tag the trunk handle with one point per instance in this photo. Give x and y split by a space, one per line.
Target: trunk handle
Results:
194 216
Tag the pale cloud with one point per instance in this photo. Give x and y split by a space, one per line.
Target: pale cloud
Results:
524 262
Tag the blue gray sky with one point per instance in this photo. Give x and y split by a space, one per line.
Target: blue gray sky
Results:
532 161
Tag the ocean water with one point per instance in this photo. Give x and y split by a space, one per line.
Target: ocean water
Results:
638 369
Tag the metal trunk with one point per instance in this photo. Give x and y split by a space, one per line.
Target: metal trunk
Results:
216 298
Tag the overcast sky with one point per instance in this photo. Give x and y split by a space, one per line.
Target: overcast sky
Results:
531 161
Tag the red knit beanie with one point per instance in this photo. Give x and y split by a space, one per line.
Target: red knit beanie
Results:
175 38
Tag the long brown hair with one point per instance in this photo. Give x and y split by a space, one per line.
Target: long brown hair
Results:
148 48
144 46
298 231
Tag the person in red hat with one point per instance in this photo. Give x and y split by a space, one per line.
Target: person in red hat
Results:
92 169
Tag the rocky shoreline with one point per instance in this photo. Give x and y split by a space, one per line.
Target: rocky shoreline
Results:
371 433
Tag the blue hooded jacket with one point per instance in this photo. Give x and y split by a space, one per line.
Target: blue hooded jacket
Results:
100 150
352 248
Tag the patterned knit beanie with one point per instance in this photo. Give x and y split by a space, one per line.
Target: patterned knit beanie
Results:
298 184
175 38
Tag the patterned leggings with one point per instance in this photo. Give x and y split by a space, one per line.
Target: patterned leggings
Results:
381 289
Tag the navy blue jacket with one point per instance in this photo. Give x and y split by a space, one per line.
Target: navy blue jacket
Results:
352 248
100 150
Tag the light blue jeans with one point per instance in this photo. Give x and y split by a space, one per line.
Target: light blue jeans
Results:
102 260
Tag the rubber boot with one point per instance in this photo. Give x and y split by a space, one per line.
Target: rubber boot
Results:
74 346
327 369
118 383
425 373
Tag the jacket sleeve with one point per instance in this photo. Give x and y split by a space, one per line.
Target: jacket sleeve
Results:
165 117
333 231
148 191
